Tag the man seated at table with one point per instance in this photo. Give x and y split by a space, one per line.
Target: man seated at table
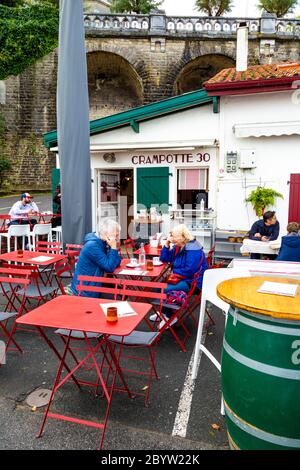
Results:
22 210
265 230
98 256
290 244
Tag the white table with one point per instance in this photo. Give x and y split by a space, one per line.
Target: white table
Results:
266 248
268 267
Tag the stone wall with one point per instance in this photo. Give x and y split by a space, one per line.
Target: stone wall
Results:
29 111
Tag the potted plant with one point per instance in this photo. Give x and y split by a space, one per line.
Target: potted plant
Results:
261 198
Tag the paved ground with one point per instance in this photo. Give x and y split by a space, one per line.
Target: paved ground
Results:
131 425
43 201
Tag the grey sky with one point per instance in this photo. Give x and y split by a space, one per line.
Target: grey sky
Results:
186 8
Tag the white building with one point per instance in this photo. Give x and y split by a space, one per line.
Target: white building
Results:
219 143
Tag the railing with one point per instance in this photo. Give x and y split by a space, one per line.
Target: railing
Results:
173 25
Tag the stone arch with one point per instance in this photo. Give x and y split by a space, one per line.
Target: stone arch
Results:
197 71
114 84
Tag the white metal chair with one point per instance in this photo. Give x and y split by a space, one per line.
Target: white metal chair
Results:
16 231
39 230
211 279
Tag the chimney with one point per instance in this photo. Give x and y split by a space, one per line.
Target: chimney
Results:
242 47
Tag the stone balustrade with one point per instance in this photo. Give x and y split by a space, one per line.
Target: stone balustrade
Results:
184 26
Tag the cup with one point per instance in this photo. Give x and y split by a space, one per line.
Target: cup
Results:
149 265
20 253
156 260
112 315
133 261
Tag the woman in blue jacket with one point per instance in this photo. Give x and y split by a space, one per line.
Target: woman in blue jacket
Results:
99 255
187 258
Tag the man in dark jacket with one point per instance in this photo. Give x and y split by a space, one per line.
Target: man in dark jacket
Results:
264 230
99 255
290 244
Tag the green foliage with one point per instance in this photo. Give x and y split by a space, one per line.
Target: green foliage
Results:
261 198
214 7
5 165
135 6
12 3
26 35
279 7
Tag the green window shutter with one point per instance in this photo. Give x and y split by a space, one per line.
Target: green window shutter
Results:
153 186
55 182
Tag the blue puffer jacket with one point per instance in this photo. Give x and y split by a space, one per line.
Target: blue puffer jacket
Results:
290 249
96 258
187 261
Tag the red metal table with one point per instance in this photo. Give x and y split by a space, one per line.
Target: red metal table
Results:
83 314
140 272
32 257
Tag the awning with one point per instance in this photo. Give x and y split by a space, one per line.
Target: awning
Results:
267 129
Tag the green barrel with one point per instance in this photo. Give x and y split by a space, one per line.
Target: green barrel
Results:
261 381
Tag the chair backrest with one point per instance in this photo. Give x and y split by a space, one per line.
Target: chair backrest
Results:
210 255
129 246
27 270
123 288
49 247
41 229
73 251
104 285
11 270
213 277
19 230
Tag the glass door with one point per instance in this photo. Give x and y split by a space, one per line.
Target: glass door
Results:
108 195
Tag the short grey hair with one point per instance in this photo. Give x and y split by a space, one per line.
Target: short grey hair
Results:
107 225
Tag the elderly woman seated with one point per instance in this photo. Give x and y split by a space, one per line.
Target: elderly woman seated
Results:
187 258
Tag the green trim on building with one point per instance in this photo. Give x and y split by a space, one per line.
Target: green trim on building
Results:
134 116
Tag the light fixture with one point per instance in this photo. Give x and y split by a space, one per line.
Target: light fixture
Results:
109 157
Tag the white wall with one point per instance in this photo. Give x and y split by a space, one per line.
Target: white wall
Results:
277 157
185 126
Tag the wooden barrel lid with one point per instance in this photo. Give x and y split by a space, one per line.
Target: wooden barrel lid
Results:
242 293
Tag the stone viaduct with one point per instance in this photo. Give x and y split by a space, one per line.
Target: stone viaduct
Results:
132 60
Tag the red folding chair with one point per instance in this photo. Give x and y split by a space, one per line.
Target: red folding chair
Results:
129 246
49 247
36 290
73 252
101 288
11 280
4 218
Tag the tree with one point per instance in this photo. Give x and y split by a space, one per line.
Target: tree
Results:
279 7
12 3
135 6
214 7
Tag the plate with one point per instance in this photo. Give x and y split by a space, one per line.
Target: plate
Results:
158 264
129 265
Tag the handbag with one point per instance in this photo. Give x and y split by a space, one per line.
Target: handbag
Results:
176 297
174 278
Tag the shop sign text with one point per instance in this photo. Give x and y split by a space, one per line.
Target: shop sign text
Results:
171 158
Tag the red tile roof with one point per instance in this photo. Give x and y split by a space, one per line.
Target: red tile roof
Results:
256 72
